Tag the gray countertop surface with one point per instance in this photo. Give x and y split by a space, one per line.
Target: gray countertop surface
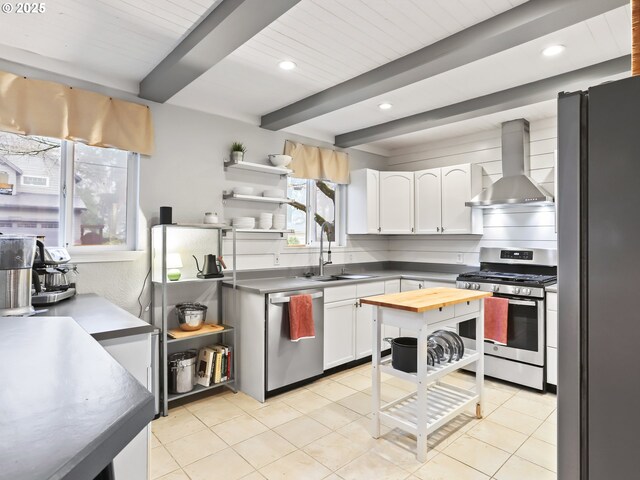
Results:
99 317
283 284
552 288
68 407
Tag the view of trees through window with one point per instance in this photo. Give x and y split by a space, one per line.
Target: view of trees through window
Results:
310 197
31 190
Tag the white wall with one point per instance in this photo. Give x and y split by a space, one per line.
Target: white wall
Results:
512 227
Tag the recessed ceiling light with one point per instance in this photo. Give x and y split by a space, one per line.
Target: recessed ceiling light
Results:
385 106
287 65
553 50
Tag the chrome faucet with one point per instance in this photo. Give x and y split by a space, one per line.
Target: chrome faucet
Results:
322 263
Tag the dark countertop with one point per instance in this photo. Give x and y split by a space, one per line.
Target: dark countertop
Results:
68 407
283 284
99 317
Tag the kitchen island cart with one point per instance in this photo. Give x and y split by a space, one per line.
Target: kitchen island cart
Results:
434 402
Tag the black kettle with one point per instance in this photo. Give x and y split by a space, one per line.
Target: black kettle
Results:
210 268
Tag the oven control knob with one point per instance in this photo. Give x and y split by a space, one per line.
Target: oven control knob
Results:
467 285
495 288
526 291
476 286
516 290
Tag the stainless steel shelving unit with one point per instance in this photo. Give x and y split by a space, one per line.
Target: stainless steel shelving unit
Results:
161 235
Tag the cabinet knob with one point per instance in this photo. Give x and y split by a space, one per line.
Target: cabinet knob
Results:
437 229
442 229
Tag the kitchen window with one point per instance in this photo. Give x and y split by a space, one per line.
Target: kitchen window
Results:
84 198
313 203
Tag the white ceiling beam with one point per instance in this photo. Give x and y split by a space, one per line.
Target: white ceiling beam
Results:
520 96
228 26
509 29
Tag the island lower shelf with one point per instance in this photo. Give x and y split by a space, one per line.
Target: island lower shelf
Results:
445 402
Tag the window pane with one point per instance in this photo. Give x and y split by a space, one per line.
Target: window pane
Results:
297 211
325 207
100 203
30 186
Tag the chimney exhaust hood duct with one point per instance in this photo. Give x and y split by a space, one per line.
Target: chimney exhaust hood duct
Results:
515 187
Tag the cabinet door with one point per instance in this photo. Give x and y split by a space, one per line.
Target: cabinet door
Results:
390 286
339 326
396 202
428 203
363 202
456 190
364 330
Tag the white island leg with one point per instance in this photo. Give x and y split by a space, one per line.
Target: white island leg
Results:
375 372
422 417
480 362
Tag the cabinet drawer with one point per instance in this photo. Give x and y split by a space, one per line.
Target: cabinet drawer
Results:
369 289
392 286
552 301
552 328
467 307
439 315
552 366
336 294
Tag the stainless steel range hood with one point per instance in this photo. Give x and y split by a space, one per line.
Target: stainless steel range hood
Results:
515 187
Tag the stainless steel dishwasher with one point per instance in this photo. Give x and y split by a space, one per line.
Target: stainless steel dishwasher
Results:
290 362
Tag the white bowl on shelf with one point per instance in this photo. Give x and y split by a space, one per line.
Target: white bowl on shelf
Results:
244 223
264 225
273 193
278 160
244 190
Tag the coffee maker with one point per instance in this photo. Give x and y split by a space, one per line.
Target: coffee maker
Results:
51 275
16 260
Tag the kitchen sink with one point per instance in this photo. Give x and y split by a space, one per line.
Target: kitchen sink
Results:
346 276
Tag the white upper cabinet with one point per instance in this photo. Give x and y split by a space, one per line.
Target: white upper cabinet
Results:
460 183
396 202
363 202
428 204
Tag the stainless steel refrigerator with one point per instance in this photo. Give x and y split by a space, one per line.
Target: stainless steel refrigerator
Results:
598 293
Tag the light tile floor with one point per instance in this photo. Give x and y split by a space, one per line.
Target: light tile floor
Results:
321 431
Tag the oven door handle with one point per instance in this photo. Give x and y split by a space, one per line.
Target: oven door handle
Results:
522 302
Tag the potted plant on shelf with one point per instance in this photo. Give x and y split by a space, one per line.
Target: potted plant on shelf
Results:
237 152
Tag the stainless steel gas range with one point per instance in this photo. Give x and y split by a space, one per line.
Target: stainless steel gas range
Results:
521 276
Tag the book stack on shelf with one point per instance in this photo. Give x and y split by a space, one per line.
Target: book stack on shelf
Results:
214 365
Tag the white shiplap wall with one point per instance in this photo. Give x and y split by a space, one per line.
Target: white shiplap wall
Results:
511 227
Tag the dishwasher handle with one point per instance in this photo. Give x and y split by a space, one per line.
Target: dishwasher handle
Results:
281 300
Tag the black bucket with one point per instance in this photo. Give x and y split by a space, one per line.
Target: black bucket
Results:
404 353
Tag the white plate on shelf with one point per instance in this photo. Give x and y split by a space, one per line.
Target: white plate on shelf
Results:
244 190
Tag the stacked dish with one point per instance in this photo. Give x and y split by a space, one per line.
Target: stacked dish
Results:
273 193
266 221
279 221
244 223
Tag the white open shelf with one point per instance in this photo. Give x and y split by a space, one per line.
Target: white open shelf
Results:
258 167
258 230
435 372
254 198
444 402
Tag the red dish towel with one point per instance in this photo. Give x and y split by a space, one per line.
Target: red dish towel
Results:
301 318
496 312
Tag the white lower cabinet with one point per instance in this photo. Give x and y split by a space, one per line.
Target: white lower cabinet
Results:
552 338
339 323
134 354
390 286
347 323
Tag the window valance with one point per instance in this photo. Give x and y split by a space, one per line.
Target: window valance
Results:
317 163
50 109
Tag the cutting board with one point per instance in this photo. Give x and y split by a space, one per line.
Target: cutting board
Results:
206 328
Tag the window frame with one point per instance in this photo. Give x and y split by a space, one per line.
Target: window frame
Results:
22 177
311 233
67 171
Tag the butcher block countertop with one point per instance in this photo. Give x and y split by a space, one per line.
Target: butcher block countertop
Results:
419 301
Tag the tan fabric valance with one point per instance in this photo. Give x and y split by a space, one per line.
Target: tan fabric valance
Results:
317 163
50 109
